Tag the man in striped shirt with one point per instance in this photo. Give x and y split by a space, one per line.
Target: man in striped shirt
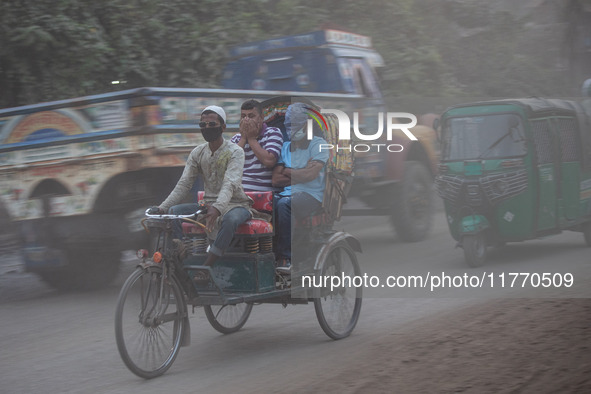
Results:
262 147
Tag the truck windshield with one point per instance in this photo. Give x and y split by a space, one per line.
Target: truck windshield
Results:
483 137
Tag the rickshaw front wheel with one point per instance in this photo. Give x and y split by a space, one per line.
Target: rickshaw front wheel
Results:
474 249
149 325
227 318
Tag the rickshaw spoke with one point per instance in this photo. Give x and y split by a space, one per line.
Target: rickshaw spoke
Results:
228 318
338 308
149 346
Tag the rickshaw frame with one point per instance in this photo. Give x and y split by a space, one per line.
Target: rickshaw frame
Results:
163 286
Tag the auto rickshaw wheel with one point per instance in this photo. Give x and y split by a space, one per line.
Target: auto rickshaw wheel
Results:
227 318
587 233
474 249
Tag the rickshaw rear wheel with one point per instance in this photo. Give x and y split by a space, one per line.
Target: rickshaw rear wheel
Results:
149 323
587 233
338 308
474 249
227 318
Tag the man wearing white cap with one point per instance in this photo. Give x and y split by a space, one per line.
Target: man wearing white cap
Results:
220 164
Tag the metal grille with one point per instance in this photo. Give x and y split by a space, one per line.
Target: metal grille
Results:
492 188
448 187
474 197
500 186
569 140
543 141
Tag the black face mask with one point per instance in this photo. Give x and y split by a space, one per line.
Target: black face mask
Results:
211 134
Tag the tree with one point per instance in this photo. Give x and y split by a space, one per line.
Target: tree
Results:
57 49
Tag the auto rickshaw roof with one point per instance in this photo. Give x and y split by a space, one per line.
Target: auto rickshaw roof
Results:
531 104
535 106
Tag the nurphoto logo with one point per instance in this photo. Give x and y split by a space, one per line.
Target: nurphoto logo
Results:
344 130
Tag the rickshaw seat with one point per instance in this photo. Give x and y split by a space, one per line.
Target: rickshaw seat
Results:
255 226
263 201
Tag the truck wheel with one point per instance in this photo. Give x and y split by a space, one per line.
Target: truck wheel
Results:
85 270
474 249
413 205
8 236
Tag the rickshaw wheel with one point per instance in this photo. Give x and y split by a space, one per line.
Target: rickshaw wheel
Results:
149 322
227 318
337 309
587 233
474 249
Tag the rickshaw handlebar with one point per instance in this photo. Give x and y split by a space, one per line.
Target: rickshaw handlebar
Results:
170 216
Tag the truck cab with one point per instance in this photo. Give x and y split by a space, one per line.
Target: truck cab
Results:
327 61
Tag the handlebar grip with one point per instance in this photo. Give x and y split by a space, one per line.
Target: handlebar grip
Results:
155 211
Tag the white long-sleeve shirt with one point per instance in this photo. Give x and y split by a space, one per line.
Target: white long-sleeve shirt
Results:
222 177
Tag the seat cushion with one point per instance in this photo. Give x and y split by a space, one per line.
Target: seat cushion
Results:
251 226
255 226
263 201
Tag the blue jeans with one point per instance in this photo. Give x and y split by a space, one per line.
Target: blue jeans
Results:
303 205
230 222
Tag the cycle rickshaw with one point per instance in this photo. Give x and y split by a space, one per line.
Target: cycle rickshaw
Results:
152 323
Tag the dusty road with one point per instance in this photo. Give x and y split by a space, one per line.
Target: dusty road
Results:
64 343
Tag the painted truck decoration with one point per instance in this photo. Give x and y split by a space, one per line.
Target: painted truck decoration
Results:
76 175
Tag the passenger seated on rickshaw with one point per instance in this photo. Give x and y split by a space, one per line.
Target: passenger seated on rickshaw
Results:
301 170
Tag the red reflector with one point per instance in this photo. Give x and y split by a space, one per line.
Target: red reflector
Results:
157 258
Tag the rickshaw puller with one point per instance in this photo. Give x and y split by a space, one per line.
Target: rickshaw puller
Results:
220 163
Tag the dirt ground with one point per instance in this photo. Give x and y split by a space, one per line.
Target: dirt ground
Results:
502 346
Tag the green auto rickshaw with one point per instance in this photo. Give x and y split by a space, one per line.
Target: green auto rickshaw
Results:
513 170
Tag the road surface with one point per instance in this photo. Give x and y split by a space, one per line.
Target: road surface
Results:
64 343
